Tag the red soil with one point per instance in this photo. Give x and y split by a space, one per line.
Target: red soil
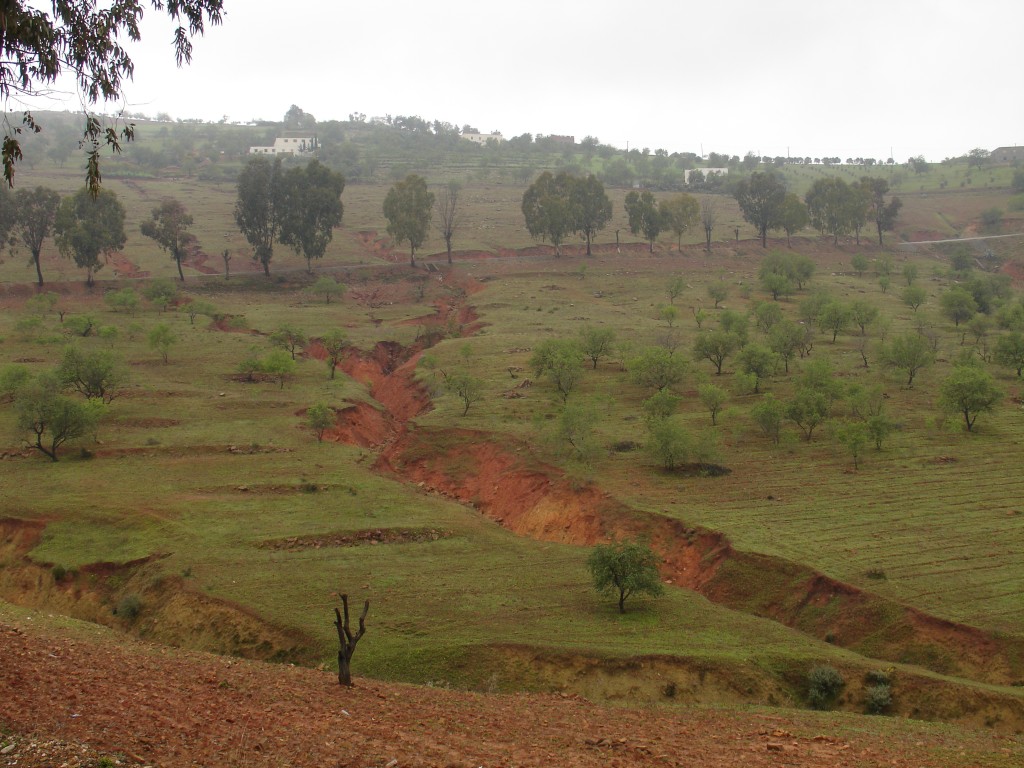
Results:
177 709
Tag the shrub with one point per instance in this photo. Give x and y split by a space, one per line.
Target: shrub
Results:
878 699
824 683
129 607
59 572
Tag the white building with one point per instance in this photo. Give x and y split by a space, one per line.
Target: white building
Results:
706 171
483 138
289 144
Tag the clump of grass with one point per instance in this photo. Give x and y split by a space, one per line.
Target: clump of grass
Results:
128 607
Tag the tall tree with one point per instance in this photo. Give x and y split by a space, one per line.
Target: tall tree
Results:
83 38
168 226
408 207
708 218
761 198
680 213
548 210
33 214
794 215
830 205
311 208
883 213
449 213
590 207
258 207
644 216
90 226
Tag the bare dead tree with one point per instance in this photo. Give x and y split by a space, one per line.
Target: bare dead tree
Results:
708 217
346 640
227 263
449 214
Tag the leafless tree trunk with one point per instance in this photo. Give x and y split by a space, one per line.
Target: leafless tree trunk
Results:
448 214
346 640
227 262
708 217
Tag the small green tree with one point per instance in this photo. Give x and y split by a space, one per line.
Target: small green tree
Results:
716 346
320 418
468 389
125 300
52 418
327 287
624 569
335 343
969 391
768 414
561 360
669 442
713 398
853 436
808 408
657 368
718 292
758 361
95 374
958 304
161 292
162 338
860 264
914 296
1009 351
278 365
909 353
289 338
597 342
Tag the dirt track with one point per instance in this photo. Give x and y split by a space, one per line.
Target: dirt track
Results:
169 708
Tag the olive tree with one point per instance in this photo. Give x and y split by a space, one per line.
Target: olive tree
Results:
623 569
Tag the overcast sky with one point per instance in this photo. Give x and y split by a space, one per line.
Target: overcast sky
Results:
799 77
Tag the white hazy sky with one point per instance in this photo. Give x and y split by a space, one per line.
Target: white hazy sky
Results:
807 77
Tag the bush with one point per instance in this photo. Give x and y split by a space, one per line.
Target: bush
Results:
58 572
878 699
129 607
824 683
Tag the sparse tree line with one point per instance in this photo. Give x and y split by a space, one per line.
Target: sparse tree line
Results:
831 206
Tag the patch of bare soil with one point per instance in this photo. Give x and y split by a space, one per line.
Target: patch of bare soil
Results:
356 538
154 706
122 267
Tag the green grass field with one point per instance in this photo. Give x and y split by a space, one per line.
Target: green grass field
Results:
196 464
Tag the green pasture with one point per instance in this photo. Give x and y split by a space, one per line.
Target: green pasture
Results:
194 463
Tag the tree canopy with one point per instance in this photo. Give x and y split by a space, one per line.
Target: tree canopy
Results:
311 208
408 208
32 215
258 207
624 569
168 226
761 199
88 227
83 38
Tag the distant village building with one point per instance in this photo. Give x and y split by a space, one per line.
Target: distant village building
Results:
706 171
289 144
561 139
1007 155
483 138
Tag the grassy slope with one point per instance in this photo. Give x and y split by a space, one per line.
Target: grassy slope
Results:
428 604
